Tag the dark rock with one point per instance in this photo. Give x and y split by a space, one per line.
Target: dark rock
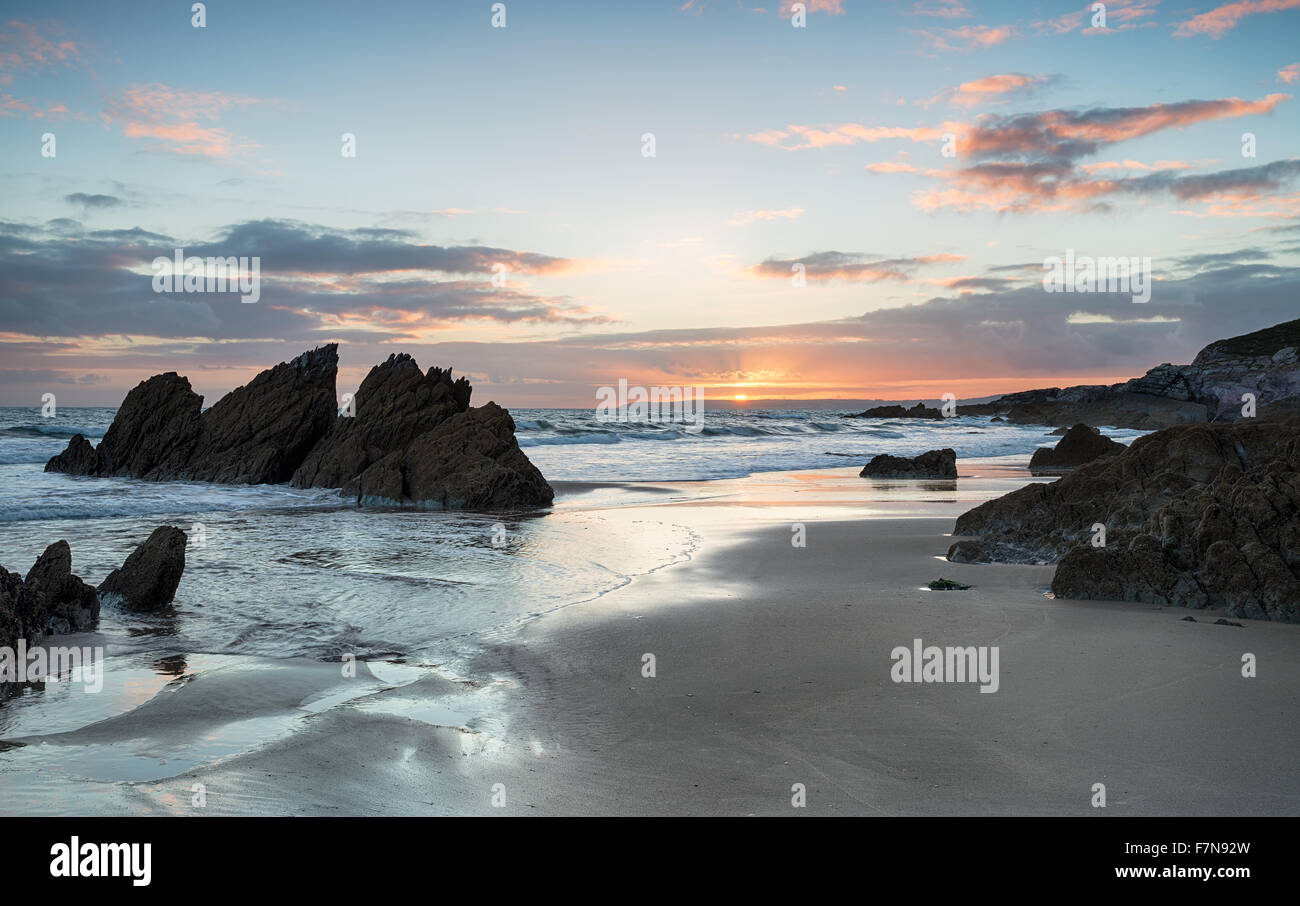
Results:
409 434
67 604
1265 363
942 584
79 458
394 405
920 410
262 432
148 579
471 460
151 437
931 464
1222 622
1189 619
1195 516
259 433
1079 445
20 610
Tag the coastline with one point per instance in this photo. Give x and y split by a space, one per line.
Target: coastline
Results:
773 668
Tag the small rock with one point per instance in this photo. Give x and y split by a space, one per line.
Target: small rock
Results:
148 579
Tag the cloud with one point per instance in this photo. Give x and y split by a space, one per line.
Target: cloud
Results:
1120 15
940 9
967 37
744 218
1289 73
172 119
316 283
93 202
798 137
892 166
1222 19
993 89
853 267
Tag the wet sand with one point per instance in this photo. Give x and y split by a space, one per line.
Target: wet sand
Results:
772 668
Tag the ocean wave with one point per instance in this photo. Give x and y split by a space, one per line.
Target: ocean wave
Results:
51 431
604 438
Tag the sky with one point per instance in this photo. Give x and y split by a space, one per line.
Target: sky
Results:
854 201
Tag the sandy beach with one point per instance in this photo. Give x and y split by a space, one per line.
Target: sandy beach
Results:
772 668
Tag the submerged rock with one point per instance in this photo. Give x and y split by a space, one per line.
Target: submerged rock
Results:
931 464
1080 444
148 579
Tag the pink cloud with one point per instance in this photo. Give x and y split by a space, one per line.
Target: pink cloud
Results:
1289 73
744 218
1220 20
171 117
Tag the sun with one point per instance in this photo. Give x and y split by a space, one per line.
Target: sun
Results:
741 396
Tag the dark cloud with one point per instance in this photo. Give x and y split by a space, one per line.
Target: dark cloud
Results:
93 202
857 267
99 283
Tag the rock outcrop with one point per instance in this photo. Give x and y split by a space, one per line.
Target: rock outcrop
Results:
256 434
411 438
67 604
931 464
1080 444
394 405
471 460
920 410
147 581
1194 516
1264 363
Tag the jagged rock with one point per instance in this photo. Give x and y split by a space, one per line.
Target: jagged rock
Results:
66 603
471 460
403 445
20 610
148 579
259 433
931 464
1195 516
1079 445
79 458
920 410
151 437
394 405
262 432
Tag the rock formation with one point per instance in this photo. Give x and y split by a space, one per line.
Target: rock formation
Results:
148 579
920 410
256 434
394 405
50 600
472 460
1264 363
1194 516
409 440
932 464
66 603
1079 445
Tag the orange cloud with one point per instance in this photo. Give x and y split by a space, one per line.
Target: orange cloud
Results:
1289 73
171 117
968 37
1220 20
